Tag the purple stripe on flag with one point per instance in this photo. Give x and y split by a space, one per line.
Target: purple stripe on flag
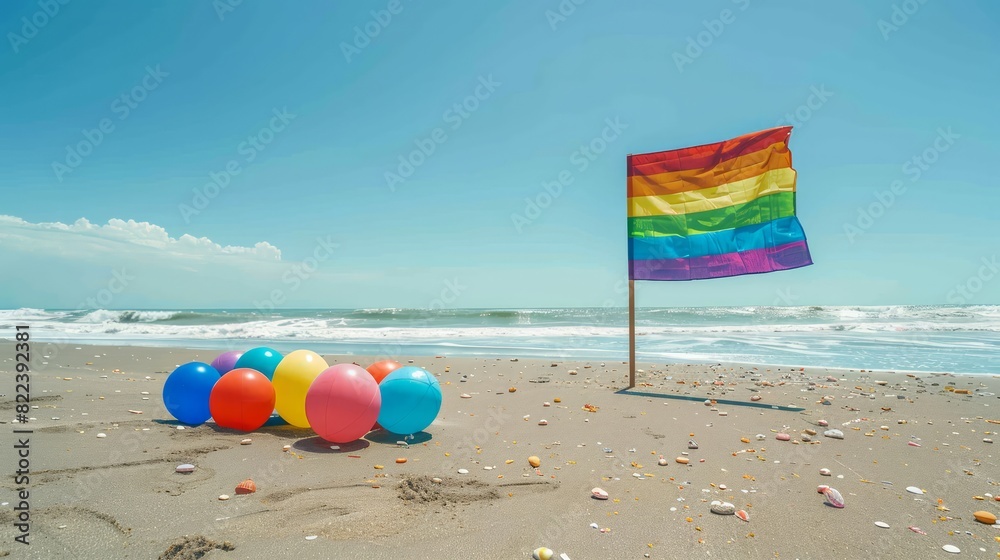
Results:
782 257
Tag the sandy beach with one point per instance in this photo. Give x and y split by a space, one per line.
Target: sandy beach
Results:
119 496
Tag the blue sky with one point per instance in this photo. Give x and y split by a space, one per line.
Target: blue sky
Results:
312 105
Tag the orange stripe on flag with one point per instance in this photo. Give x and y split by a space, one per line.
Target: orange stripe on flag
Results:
775 156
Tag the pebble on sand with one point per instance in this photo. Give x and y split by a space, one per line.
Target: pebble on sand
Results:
599 494
824 472
246 441
823 423
224 497
834 434
534 461
682 460
722 508
985 517
102 435
782 437
542 553
755 398
185 468
463 471
400 460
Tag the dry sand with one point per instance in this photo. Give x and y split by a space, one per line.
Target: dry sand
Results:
119 497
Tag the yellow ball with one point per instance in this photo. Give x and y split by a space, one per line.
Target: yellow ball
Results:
292 378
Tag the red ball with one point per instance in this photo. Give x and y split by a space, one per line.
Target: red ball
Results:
242 399
343 403
381 369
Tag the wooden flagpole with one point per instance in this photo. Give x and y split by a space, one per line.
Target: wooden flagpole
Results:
631 334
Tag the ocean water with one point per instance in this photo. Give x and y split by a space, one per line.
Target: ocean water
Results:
957 339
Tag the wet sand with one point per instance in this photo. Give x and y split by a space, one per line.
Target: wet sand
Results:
120 497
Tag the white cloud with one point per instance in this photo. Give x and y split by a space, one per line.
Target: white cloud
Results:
83 237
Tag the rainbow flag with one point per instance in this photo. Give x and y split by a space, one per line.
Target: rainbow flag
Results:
722 209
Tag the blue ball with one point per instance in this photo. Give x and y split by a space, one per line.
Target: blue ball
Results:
187 390
262 359
411 400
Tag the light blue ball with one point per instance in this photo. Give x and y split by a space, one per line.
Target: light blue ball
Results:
262 359
187 390
411 400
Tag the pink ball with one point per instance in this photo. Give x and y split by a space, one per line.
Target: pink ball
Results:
343 403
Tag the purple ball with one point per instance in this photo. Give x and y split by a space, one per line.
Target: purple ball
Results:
226 361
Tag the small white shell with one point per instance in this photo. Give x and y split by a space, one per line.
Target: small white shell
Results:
824 472
882 524
185 468
951 548
102 435
914 490
463 471
599 494
224 497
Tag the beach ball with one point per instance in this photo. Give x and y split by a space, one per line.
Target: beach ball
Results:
379 370
187 390
226 361
291 381
262 359
411 400
343 403
243 399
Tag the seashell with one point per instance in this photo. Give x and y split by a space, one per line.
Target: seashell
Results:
745 440
810 431
662 462
185 468
834 497
782 437
708 403
246 487
743 515
692 444
761 437
312 537
546 403
951 548
722 508
723 413
805 438
987 440
917 530
400 460
824 472
913 444
102 435
557 400
512 390
463 471
985 517
223 497
534 461
882 524
682 460
755 398
722 487
599 494
835 434
436 480
823 423
246 441
542 553
914 490
543 422
465 396
821 488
